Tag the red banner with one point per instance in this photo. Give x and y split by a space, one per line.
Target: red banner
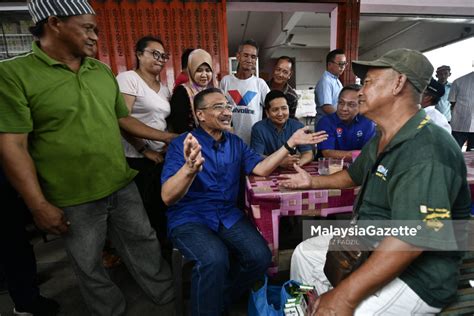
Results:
179 24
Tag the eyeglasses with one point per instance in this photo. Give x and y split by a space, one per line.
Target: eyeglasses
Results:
341 64
157 54
219 107
349 104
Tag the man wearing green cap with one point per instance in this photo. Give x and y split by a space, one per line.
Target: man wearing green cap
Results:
61 115
411 170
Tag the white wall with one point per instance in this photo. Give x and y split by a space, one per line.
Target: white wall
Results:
310 64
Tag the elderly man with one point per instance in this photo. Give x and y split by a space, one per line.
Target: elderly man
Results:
430 98
328 87
461 97
245 91
347 129
281 74
200 184
443 105
271 133
60 118
404 275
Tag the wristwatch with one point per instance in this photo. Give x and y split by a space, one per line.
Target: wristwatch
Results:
292 151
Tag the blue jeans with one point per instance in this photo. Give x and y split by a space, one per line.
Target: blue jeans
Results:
227 262
122 217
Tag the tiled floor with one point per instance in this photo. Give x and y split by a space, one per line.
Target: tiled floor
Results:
58 281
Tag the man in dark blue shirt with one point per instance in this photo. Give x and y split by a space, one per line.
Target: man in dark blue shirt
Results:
347 129
272 132
200 184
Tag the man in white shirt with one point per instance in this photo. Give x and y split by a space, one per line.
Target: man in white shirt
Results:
245 91
443 105
461 97
431 96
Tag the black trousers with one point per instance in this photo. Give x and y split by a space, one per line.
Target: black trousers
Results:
16 253
462 137
148 181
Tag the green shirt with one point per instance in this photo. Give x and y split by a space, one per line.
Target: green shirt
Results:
71 121
420 175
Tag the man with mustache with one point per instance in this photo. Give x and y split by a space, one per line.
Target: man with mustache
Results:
282 72
61 114
347 129
200 185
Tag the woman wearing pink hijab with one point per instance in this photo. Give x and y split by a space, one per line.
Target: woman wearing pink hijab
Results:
201 77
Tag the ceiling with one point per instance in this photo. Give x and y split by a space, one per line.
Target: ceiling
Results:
383 26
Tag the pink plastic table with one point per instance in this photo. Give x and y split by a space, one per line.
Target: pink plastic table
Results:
266 202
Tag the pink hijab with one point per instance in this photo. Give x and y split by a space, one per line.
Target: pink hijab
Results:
195 60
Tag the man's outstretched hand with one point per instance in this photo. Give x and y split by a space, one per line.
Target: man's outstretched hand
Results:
304 136
299 180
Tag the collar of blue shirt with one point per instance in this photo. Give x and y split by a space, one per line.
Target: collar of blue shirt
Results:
208 140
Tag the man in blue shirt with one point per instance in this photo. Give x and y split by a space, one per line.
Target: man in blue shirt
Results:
328 87
347 129
271 133
200 184
444 106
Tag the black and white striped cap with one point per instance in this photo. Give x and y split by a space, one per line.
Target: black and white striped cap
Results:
42 9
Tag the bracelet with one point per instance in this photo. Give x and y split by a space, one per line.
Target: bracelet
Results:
292 151
143 148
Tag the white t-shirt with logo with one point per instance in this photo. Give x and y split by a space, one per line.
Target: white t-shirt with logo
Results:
248 95
150 107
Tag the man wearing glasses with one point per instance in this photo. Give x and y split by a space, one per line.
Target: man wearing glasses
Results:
328 87
200 185
347 129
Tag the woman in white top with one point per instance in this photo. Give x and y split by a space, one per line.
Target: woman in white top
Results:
148 101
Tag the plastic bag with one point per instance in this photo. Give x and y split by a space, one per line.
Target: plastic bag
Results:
269 300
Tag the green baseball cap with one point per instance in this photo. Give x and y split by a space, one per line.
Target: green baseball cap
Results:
411 63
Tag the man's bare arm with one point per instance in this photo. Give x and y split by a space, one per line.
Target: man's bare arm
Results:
346 154
136 128
303 180
299 137
21 172
306 158
386 263
328 108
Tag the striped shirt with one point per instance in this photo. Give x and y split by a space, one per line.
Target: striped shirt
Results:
462 92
